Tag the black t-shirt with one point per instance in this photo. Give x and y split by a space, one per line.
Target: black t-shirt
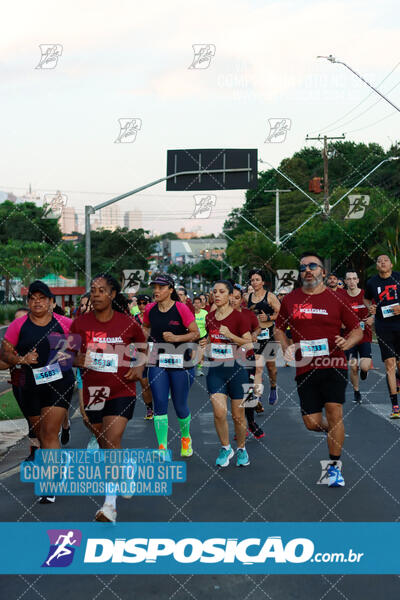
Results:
48 339
386 293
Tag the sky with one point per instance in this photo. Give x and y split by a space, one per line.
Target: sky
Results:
130 60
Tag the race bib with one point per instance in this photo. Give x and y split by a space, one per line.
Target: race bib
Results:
221 351
362 325
104 363
314 347
170 361
387 311
264 335
47 374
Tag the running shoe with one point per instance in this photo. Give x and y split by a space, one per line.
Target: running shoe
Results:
335 478
149 413
259 408
363 375
186 447
65 434
31 456
106 514
224 457
273 396
357 397
256 431
395 414
93 444
242 458
47 499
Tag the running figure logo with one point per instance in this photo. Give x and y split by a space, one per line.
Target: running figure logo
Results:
357 206
128 129
62 547
203 205
287 279
50 53
278 129
203 53
54 205
97 397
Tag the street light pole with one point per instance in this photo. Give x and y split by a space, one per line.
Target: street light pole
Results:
90 210
332 59
277 216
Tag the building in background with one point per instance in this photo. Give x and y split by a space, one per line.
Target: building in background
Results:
186 235
110 217
68 221
194 250
133 219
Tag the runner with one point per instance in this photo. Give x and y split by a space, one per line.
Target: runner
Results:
102 338
46 382
170 325
142 302
315 316
184 298
384 290
363 349
226 378
266 306
254 329
200 315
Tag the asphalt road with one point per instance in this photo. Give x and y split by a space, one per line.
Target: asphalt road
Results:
279 485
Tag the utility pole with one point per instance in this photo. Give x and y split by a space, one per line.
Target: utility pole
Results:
325 157
277 220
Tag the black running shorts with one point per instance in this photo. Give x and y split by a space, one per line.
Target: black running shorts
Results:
118 407
317 387
389 343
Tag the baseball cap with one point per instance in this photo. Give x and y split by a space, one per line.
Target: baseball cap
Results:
41 287
162 279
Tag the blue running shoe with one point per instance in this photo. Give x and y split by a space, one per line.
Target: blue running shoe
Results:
335 476
273 396
224 457
242 459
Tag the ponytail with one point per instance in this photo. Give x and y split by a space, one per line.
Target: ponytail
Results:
174 295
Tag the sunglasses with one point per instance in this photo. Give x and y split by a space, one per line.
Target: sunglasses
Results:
312 266
142 301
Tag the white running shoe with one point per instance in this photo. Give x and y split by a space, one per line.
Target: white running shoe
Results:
106 514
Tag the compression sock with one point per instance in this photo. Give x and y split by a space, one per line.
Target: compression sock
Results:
111 499
161 427
184 425
393 399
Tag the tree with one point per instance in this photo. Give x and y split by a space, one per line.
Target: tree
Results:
25 222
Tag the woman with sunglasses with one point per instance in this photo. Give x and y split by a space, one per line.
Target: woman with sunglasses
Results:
102 340
266 306
142 302
226 378
171 326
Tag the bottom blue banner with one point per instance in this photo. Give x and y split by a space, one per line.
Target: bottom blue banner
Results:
200 548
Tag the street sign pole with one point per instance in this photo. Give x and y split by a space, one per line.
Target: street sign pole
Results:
90 210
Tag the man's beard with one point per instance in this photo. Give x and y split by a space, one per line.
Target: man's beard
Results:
313 283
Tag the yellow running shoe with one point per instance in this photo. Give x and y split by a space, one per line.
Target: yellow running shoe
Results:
186 448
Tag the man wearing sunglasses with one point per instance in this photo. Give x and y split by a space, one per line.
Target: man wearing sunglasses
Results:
315 316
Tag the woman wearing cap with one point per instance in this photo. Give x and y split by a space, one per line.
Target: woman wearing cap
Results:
266 306
34 341
226 378
169 324
102 339
142 302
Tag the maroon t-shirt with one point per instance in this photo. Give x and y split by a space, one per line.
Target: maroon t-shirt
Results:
362 312
235 322
315 320
108 347
251 319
